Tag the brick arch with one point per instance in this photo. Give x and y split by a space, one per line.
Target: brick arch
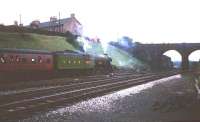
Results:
185 59
184 52
166 50
192 53
157 50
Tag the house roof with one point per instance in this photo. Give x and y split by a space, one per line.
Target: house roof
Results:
56 23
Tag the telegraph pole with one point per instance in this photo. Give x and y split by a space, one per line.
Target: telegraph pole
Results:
20 19
59 22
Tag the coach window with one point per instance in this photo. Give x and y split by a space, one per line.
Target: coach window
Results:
11 58
39 59
33 60
2 59
17 59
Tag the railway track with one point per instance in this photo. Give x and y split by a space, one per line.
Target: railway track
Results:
29 85
24 94
27 102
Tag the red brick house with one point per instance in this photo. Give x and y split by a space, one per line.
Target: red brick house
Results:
70 24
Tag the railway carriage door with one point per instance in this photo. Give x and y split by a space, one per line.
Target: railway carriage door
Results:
11 59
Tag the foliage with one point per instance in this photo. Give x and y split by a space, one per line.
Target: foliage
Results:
70 38
125 43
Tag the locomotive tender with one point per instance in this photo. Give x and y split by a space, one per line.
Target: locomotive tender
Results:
25 60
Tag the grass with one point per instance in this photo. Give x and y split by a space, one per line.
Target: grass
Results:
121 58
33 41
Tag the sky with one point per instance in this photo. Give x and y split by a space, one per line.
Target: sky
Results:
146 21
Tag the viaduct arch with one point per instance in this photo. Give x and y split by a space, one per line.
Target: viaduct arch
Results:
157 50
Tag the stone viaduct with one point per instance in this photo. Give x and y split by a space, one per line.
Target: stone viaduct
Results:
157 50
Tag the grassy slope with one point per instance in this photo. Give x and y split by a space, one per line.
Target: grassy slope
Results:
123 59
33 41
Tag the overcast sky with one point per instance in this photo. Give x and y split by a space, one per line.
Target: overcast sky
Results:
147 21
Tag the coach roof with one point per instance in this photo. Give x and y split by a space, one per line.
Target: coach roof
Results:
14 50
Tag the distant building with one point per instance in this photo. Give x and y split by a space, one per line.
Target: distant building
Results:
70 24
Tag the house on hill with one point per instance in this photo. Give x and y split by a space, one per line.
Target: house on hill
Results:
70 24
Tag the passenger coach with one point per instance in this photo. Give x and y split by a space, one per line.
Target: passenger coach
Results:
19 60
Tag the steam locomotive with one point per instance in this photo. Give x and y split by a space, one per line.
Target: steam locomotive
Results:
36 61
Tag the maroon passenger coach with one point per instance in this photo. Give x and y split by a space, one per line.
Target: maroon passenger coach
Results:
19 60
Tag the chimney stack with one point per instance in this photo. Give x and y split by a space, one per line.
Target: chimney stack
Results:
72 15
53 19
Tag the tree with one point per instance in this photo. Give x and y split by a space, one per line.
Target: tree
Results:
125 43
72 39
